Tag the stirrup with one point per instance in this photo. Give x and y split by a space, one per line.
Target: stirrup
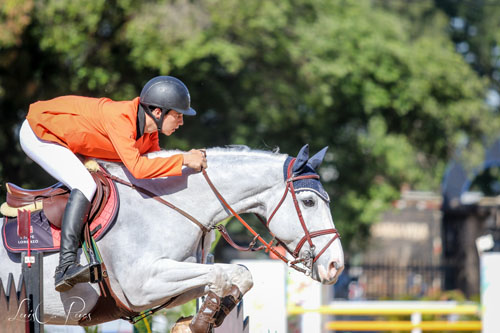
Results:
95 270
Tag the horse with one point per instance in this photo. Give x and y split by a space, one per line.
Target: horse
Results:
154 255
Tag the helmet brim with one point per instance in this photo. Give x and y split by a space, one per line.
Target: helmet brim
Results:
187 112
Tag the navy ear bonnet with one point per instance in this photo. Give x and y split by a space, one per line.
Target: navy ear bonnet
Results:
308 184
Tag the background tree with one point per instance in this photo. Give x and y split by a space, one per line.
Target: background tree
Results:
475 29
387 92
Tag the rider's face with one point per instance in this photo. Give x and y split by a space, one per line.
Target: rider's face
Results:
172 121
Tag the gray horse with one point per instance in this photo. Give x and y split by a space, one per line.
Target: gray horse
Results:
153 253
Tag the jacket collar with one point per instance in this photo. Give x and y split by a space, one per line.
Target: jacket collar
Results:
141 121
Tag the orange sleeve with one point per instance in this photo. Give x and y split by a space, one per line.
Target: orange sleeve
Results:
139 166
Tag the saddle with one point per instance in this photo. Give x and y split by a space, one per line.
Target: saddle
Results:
46 207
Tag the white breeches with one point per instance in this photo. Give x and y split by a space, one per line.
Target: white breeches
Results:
60 162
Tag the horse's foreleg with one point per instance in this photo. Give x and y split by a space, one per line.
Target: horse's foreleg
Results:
166 278
224 285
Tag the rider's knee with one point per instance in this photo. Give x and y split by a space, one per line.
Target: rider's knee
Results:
88 190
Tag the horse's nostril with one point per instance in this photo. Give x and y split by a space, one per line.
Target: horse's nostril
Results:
334 269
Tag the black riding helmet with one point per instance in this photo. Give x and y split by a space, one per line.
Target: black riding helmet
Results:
167 93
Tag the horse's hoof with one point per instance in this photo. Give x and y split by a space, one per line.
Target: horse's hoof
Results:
182 325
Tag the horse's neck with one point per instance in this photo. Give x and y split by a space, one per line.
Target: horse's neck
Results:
244 179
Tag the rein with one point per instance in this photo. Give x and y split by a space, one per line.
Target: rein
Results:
159 199
268 246
307 259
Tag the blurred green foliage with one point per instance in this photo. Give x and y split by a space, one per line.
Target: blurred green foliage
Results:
380 82
475 28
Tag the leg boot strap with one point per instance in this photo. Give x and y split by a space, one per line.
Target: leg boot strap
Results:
228 303
204 320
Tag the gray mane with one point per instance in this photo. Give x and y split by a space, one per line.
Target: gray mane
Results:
236 151
218 155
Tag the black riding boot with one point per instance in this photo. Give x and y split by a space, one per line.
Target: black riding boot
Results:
69 272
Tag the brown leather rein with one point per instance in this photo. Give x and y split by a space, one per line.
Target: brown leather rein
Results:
308 258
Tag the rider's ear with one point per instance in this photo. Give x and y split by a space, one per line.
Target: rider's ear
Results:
316 160
301 160
157 113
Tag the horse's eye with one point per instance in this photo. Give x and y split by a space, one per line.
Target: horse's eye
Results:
308 202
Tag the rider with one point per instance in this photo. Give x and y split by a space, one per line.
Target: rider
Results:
55 131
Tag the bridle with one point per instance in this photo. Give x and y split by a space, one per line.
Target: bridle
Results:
308 257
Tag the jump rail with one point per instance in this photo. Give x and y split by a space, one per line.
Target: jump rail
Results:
385 308
13 308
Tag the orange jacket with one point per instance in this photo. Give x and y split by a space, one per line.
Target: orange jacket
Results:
102 128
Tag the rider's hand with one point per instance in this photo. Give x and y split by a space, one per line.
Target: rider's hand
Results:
195 159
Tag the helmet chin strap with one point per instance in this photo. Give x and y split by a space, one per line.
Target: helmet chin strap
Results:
158 121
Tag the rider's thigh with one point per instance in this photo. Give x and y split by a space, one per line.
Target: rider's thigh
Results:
60 162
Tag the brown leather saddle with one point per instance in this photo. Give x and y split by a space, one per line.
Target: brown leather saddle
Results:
52 200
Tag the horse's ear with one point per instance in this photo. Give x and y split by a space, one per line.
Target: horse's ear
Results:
316 160
301 160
